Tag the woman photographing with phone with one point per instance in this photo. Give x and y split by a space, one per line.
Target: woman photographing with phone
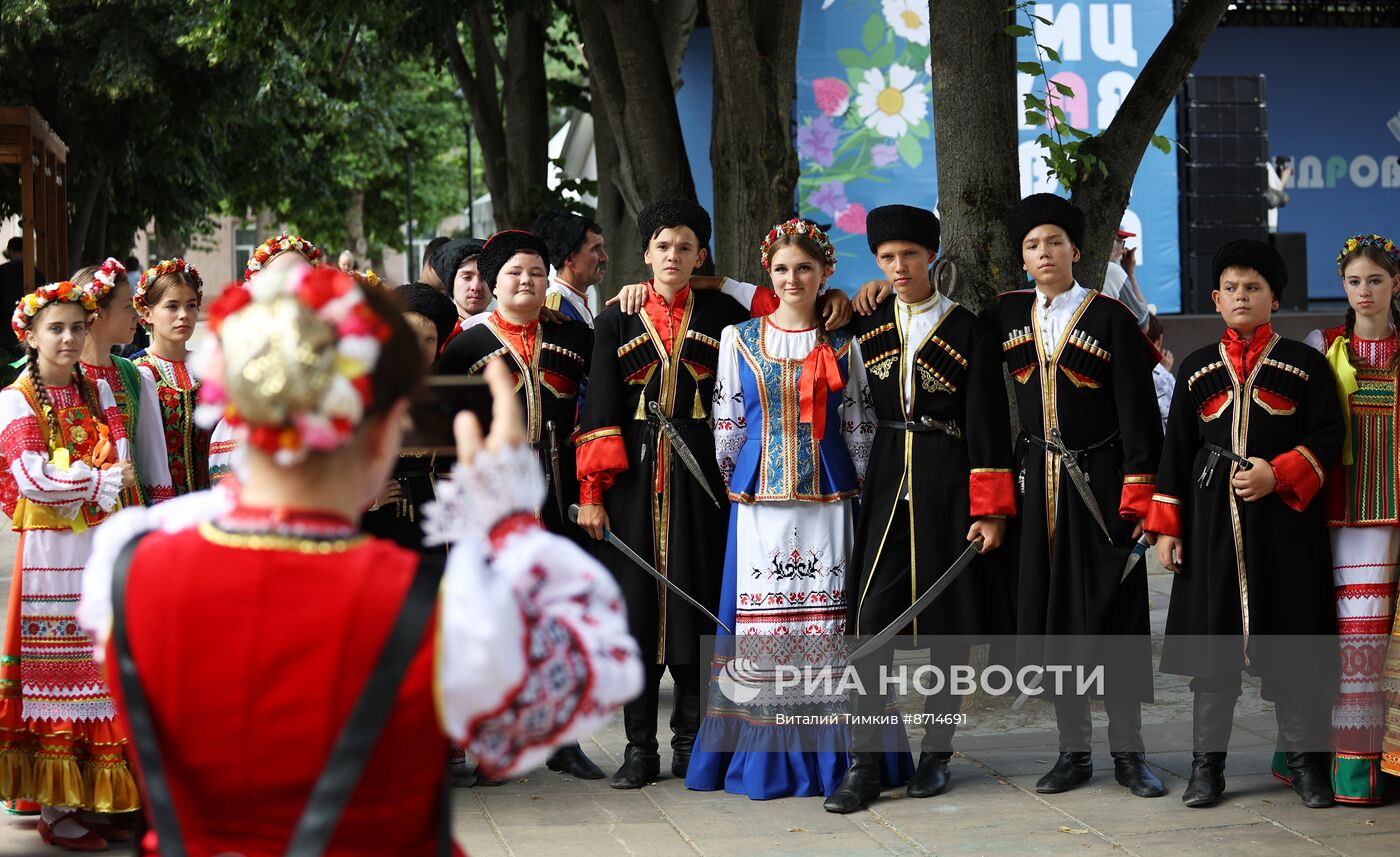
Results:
266 674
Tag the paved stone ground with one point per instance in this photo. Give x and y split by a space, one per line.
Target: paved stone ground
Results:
991 807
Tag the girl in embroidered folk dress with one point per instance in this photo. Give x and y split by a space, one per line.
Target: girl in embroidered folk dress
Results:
792 437
1362 513
115 324
65 464
251 668
168 297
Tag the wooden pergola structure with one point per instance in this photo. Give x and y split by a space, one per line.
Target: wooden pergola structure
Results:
27 140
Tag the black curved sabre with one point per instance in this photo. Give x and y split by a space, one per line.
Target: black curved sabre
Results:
646 566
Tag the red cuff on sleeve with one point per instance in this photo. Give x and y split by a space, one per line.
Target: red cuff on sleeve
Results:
1164 516
1137 496
590 493
765 301
510 525
991 491
600 457
1299 477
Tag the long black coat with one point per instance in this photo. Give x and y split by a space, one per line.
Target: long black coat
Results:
549 383
897 557
655 505
1278 556
1097 389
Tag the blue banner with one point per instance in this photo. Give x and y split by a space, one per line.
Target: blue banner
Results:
1338 118
865 120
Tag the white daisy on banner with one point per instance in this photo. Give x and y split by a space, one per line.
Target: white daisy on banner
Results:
891 105
908 19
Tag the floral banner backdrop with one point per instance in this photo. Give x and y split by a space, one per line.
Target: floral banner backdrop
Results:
864 129
865 116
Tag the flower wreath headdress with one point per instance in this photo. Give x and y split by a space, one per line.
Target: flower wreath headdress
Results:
280 244
297 348
166 266
798 226
104 279
64 292
1385 245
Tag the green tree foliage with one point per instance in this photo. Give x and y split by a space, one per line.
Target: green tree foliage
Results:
175 109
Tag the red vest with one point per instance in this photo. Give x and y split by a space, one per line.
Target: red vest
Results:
253 649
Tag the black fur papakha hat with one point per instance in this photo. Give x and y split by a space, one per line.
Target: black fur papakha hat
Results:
1041 208
1248 253
502 246
902 223
563 232
432 304
669 213
449 257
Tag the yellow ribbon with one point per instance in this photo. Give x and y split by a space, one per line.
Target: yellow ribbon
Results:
1345 374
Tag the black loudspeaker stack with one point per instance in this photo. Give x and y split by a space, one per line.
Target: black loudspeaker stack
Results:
1224 128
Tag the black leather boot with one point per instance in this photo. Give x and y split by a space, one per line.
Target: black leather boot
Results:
1131 772
931 777
1075 764
638 768
1311 779
1304 725
860 786
685 721
570 759
641 764
1070 770
1207 782
1125 743
1212 719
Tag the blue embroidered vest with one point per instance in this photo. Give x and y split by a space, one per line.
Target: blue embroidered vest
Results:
780 460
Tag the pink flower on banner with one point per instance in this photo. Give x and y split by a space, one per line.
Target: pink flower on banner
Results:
831 198
883 155
832 94
852 219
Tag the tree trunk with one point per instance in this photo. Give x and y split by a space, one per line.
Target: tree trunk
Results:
527 120
78 232
355 226
751 151
1103 198
99 243
479 89
633 88
619 225
975 144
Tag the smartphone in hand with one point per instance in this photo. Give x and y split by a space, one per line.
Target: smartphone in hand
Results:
437 404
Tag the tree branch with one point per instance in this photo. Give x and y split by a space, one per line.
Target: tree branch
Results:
349 46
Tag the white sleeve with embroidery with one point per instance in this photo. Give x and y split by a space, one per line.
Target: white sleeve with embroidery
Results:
37 479
149 432
116 423
533 648
224 453
741 292
95 608
1314 340
858 419
728 406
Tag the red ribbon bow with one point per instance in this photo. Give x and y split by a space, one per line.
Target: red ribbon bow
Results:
821 376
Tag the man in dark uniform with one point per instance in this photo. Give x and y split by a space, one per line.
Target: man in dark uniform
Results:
550 362
1255 424
661 493
939 477
1090 439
